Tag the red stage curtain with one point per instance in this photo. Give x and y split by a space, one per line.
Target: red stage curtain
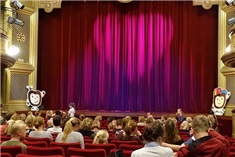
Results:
142 56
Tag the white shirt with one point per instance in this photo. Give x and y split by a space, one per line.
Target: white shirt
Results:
54 129
71 112
152 149
73 137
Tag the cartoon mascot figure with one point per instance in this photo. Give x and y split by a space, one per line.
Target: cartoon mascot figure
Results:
220 97
34 98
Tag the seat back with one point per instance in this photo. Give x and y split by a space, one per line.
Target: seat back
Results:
5 155
130 147
5 138
13 150
106 147
31 150
126 153
48 141
88 140
87 152
35 143
26 155
118 142
65 146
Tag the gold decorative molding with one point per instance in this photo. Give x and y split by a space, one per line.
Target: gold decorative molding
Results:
49 5
124 1
227 71
206 4
22 68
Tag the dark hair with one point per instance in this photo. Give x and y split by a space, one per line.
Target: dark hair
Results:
56 120
58 113
153 131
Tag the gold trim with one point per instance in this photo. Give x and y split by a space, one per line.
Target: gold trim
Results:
49 5
206 4
227 71
22 68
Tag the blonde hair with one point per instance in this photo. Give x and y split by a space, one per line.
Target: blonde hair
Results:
96 124
69 125
8 129
86 124
16 126
130 128
200 123
38 121
101 137
141 119
184 125
30 120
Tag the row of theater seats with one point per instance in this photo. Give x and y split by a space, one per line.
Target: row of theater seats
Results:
69 149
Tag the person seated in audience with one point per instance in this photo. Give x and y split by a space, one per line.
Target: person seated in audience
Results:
30 123
148 114
189 120
17 131
184 126
56 126
213 122
99 118
112 125
22 116
119 130
101 137
141 121
37 113
8 116
96 126
3 125
179 116
8 129
39 132
131 133
164 118
82 116
171 134
149 120
210 144
152 135
70 134
15 116
86 127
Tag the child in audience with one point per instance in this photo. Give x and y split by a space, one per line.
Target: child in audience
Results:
3 125
70 134
131 132
71 111
30 123
101 137
179 116
86 127
153 134
17 131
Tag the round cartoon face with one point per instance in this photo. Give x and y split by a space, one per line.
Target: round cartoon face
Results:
219 100
35 98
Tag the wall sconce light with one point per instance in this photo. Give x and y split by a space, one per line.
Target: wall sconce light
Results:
13 50
16 4
14 20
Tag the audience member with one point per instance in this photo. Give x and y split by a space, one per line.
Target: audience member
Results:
179 116
119 129
141 121
101 137
153 134
22 116
3 125
131 133
171 134
39 132
210 144
70 134
17 131
82 116
30 123
86 127
56 126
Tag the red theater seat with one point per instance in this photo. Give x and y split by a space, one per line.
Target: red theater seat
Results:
87 152
13 150
106 147
45 151
118 142
65 146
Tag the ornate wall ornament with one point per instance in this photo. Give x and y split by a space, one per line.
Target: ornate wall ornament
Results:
207 4
49 5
